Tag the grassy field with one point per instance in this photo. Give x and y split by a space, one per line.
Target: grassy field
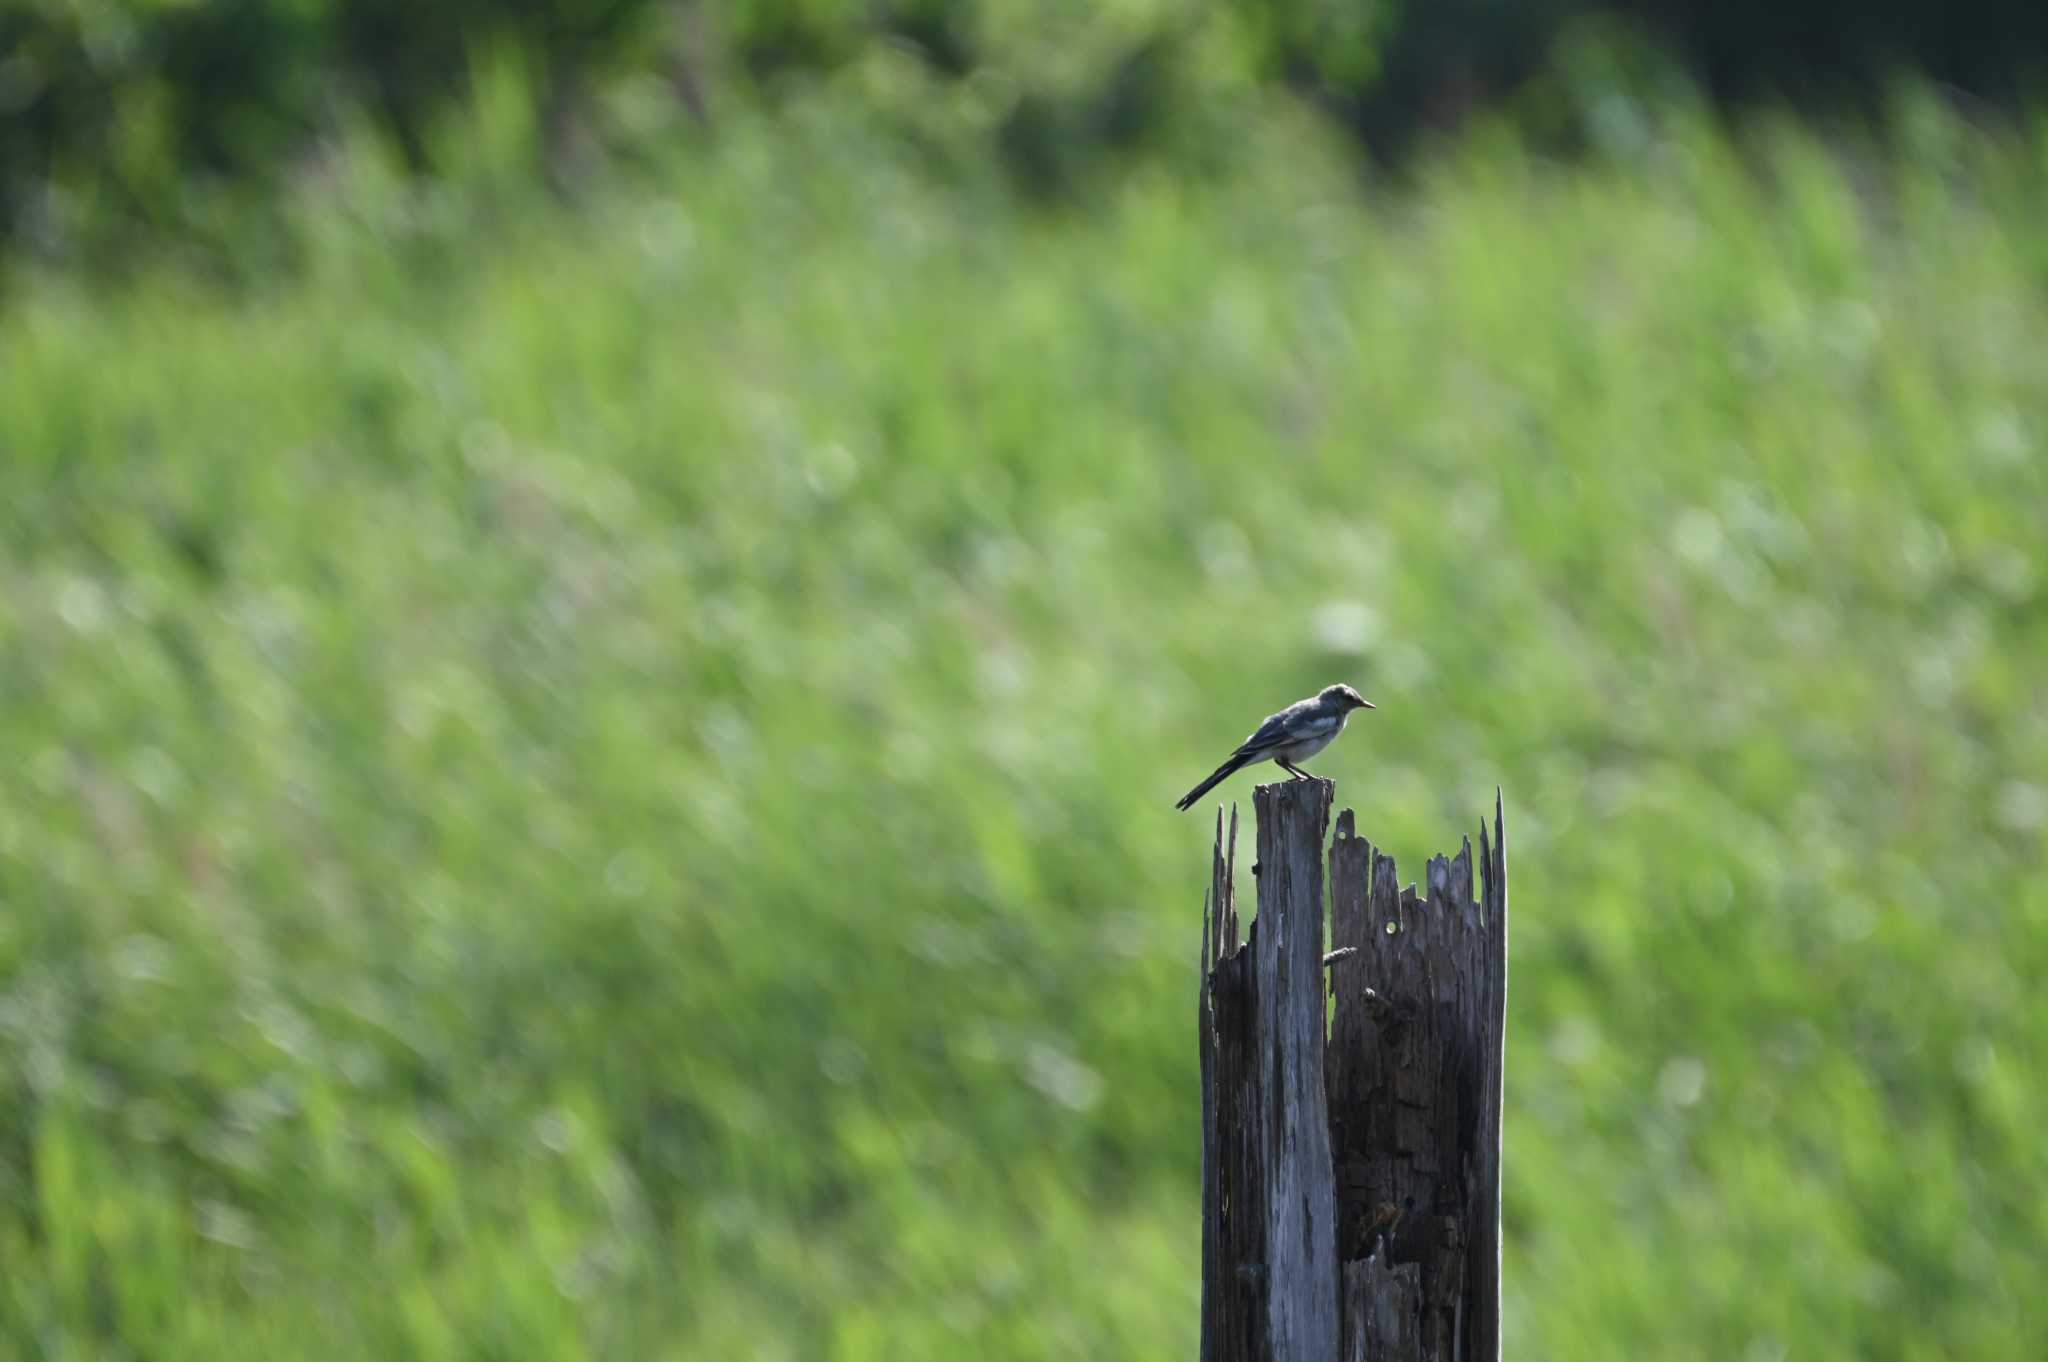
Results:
596 781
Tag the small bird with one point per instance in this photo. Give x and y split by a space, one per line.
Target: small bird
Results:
1295 734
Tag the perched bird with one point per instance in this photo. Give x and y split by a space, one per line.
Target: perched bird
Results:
1295 734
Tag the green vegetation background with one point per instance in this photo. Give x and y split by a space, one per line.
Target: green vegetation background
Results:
592 778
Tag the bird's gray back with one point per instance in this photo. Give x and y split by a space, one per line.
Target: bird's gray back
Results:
1308 718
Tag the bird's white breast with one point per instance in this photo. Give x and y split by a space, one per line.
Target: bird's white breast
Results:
1315 735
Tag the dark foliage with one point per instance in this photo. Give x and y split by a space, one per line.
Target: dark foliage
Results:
128 101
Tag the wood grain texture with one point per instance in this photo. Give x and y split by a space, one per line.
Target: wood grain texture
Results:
1233 1234
1351 1181
1269 1264
1293 1134
1389 1298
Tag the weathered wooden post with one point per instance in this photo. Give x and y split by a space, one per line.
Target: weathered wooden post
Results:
1351 1177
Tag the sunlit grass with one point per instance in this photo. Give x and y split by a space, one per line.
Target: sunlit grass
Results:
596 781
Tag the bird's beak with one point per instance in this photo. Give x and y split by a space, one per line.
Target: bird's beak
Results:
1367 704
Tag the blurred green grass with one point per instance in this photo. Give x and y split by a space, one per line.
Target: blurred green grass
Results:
595 780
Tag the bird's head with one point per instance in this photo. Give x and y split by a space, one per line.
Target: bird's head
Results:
1345 696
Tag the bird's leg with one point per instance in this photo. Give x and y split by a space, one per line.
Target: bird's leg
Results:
1291 769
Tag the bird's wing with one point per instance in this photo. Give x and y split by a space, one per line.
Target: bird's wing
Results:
1290 725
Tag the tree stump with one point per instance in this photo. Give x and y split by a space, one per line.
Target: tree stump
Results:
1351 1172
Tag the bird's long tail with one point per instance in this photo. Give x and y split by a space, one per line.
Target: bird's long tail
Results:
1216 777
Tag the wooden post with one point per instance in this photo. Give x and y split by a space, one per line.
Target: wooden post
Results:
1351 1182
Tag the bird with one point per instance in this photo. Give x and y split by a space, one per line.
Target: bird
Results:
1293 735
